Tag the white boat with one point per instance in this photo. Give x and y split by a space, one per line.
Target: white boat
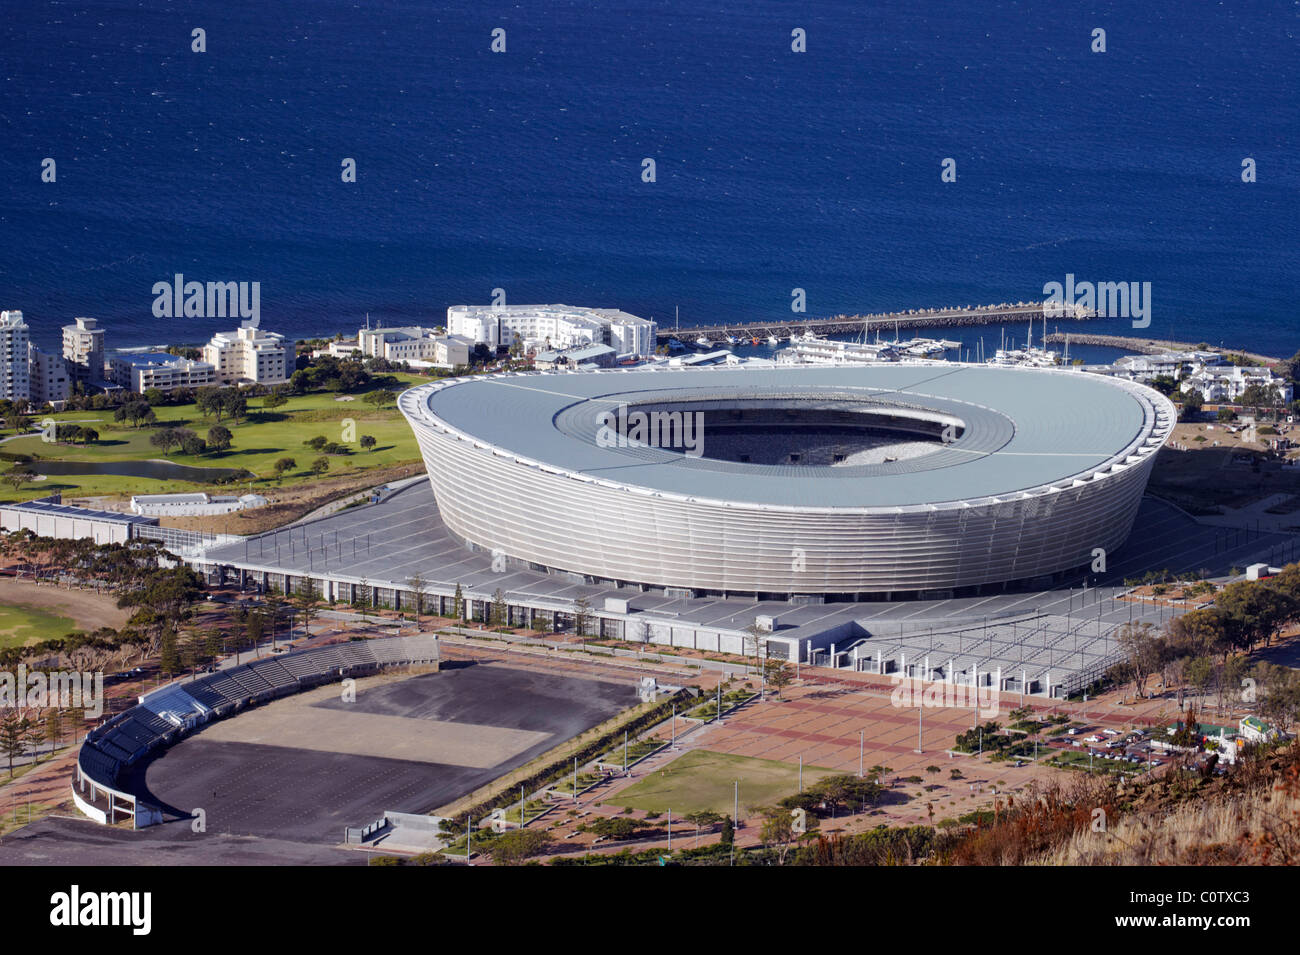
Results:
703 342
733 340
773 340
823 351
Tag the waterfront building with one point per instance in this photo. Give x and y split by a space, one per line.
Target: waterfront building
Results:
83 350
48 377
162 371
250 355
14 339
553 327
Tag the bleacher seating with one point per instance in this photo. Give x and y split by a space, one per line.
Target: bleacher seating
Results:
233 691
249 680
205 695
274 673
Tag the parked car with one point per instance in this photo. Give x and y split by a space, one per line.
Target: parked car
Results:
1110 732
1073 730
1092 739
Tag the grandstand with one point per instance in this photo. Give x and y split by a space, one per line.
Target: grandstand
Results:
164 715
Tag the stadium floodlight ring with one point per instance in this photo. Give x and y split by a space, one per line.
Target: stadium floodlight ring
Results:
1012 474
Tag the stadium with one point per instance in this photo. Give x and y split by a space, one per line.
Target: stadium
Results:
866 482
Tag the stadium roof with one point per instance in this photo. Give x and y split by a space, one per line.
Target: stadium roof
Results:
1024 430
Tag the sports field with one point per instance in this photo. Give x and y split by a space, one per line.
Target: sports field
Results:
704 780
21 625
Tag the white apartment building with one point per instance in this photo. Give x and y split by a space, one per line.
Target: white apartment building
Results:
415 343
553 327
48 376
162 371
250 354
83 349
1228 382
14 340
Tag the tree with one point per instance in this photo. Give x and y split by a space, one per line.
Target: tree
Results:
516 845
16 479
33 737
219 438
500 610
274 605
167 438
379 398
317 442
53 727
281 465
214 643
417 584
1199 672
367 442
1254 612
307 601
458 604
1137 641
134 412
274 400
755 639
170 661
255 628
777 830
13 736
777 673
581 616
728 836
320 465
1200 632
1193 402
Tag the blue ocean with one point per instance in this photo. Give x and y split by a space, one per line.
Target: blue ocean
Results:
774 170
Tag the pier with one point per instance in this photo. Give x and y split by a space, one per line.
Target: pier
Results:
912 318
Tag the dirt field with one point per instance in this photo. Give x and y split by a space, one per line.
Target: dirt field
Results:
291 503
88 609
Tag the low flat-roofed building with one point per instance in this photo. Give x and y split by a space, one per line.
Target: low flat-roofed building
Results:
160 370
596 356
195 504
48 518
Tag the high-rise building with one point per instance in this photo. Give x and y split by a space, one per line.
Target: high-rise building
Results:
14 339
250 354
48 374
83 350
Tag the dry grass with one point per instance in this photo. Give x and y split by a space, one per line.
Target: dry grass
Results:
1260 826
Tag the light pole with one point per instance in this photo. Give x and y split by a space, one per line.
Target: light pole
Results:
861 743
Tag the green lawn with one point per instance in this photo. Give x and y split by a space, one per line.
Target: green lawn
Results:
257 443
701 780
21 625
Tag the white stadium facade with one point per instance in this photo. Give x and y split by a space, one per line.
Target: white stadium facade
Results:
867 482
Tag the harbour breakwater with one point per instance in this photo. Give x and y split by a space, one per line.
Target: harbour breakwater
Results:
1152 346
912 318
